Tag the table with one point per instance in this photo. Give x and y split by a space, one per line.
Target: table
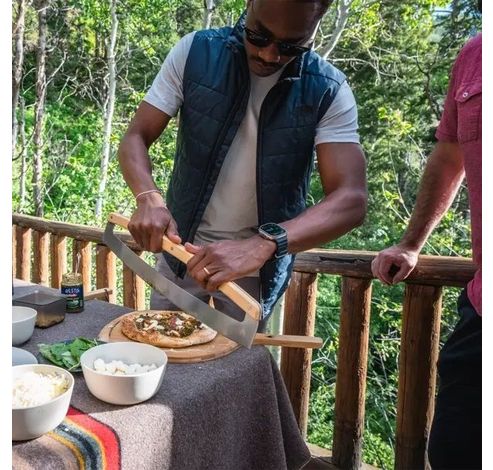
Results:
231 413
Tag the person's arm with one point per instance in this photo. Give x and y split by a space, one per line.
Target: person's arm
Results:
441 180
342 170
151 219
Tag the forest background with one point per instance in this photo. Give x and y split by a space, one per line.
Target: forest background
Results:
81 67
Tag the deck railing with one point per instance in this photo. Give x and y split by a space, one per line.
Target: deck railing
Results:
34 239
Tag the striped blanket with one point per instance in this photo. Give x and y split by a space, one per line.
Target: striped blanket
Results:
80 442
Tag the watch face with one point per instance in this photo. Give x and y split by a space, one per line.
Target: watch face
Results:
273 229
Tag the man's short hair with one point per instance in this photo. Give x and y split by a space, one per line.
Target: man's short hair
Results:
323 4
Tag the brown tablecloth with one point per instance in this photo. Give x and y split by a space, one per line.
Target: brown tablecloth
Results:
231 413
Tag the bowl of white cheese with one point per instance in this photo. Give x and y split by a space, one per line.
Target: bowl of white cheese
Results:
124 373
40 399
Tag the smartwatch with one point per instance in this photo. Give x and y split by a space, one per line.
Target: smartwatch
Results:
275 233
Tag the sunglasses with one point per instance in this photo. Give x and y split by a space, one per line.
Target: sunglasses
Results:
285 48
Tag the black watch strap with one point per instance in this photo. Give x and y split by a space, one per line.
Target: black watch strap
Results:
282 246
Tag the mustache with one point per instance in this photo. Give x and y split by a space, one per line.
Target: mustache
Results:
264 63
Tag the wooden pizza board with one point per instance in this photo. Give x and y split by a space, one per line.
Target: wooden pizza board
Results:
220 346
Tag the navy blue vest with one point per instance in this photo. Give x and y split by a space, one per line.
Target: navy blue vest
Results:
216 86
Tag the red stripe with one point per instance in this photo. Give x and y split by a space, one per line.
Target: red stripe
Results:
108 437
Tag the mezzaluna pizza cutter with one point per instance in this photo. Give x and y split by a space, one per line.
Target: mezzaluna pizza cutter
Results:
243 332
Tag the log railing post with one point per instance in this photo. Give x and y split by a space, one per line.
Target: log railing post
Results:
106 270
84 249
352 362
417 374
58 259
41 257
133 289
299 319
14 250
23 246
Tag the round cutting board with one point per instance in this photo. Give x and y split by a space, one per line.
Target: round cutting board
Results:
220 346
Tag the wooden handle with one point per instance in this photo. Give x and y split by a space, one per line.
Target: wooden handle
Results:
290 341
231 290
103 293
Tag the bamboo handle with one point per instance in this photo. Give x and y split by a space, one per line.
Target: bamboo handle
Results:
290 341
241 298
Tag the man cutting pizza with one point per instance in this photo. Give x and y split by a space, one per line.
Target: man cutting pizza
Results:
254 101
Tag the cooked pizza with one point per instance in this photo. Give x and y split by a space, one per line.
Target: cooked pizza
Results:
166 329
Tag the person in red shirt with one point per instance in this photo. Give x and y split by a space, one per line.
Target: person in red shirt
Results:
455 437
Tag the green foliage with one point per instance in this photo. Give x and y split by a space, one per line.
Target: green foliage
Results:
397 56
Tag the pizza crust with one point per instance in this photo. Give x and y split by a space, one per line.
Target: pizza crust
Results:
153 337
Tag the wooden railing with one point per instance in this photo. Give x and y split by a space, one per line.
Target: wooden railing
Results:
419 339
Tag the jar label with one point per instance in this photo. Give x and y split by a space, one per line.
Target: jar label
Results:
75 297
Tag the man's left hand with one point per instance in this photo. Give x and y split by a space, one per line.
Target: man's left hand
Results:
228 260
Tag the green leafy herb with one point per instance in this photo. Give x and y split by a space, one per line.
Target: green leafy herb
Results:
67 354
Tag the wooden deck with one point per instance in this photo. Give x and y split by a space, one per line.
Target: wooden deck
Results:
322 460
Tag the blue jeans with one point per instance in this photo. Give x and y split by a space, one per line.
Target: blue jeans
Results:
455 437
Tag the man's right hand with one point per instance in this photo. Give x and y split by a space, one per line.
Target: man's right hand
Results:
151 221
394 264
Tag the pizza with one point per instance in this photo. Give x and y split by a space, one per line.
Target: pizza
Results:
166 329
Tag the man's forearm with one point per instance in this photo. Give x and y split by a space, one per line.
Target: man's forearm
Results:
336 215
440 182
135 164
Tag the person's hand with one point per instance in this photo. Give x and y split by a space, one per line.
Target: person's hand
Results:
227 260
150 221
394 264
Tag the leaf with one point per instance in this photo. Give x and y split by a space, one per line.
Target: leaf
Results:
67 354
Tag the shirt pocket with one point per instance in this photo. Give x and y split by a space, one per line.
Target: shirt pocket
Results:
469 109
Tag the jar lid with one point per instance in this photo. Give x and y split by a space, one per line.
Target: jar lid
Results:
72 278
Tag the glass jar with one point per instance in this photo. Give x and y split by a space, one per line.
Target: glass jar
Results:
73 291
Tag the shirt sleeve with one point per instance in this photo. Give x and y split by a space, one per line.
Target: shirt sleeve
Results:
340 122
166 92
447 129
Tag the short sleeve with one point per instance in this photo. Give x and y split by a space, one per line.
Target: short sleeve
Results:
340 122
447 129
166 92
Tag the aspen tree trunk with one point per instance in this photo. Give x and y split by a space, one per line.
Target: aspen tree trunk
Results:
109 109
209 6
22 178
18 35
341 20
41 6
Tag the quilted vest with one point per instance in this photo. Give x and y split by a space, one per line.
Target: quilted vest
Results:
216 85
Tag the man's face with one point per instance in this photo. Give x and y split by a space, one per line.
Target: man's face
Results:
281 21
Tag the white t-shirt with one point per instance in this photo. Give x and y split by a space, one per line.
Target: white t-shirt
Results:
232 210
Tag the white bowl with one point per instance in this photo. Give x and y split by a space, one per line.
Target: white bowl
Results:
124 389
23 320
34 421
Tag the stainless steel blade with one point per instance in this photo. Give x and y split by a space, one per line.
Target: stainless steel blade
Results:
242 332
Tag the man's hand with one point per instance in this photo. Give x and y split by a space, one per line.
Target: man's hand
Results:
228 260
151 221
394 264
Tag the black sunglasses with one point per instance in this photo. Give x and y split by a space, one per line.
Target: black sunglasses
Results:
285 48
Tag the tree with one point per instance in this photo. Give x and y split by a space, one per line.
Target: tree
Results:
209 6
41 7
18 61
109 108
